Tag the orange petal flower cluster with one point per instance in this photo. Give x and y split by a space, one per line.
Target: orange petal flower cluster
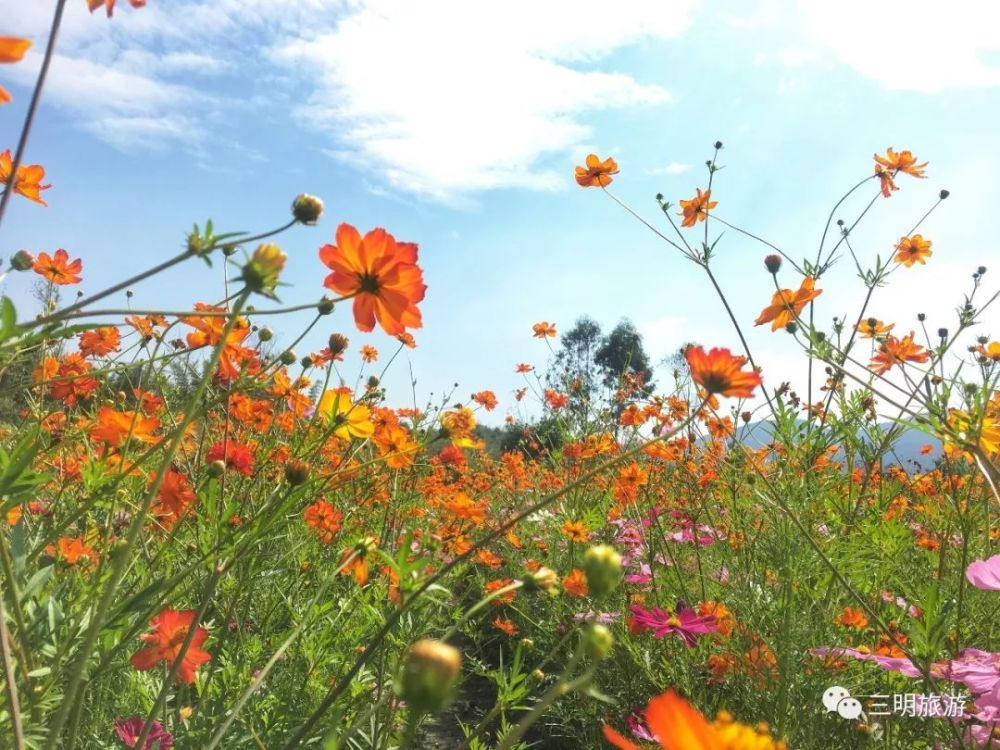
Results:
873 327
912 250
697 208
381 275
597 173
890 165
208 332
542 330
677 725
100 341
109 5
12 49
895 351
786 305
58 268
116 427
28 181
721 372
170 629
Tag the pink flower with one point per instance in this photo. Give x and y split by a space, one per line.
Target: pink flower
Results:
985 574
889 663
686 623
977 670
128 732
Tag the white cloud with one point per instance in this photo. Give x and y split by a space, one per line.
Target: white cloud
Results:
672 168
445 98
916 45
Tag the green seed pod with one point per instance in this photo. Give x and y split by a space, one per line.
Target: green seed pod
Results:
603 567
429 675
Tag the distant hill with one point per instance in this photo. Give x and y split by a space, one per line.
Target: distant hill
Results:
905 452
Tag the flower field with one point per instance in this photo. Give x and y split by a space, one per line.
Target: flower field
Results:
210 538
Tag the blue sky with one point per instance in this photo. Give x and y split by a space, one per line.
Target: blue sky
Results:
457 124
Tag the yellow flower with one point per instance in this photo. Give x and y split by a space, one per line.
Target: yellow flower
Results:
351 420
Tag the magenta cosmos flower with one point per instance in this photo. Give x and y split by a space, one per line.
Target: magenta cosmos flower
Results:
128 732
985 574
686 623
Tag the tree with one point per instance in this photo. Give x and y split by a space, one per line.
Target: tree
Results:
575 370
621 354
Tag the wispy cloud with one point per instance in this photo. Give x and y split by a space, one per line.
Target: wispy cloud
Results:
446 98
906 45
674 167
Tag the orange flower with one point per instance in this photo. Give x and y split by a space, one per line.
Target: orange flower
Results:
990 351
100 341
70 379
904 161
912 250
677 725
381 274
175 498
12 49
323 519
209 330
852 618
28 180
542 330
486 399
115 427
597 173
576 531
57 268
170 629
358 566
720 371
110 5
75 551
786 305
145 326
369 353
575 584
895 351
873 327
697 208
503 624
501 583
886 183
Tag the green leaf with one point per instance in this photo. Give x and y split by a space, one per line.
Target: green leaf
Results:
8 317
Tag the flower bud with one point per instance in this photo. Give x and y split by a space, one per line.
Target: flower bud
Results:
22 260
307 209
265 334
338 344
603 568
288 357
944 194
296 472
543 578
324 306
261 272
598 642
429 675
772 263
217 468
